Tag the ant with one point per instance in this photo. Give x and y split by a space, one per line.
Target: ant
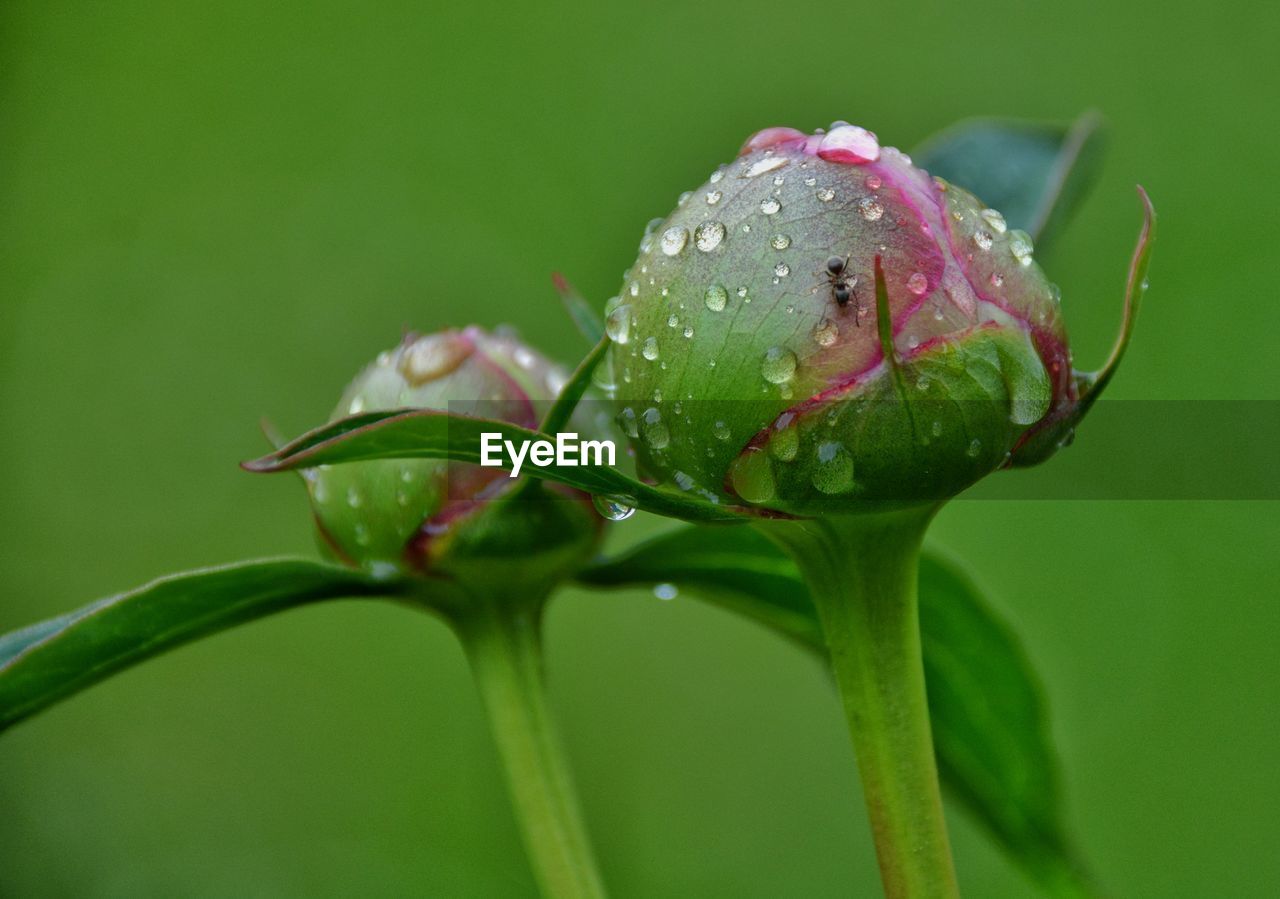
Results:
843 285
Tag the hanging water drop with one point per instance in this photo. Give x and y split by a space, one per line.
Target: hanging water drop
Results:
615 507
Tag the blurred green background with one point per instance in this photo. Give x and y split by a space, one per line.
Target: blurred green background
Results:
211 212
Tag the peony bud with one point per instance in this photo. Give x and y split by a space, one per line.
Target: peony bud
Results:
431 516
750 358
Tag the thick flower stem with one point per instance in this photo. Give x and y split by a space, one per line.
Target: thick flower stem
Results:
862 572
503 644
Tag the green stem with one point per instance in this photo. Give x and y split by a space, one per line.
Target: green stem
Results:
862 573
503 643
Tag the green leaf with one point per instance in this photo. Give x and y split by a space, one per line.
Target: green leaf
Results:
1035 173
571 394
432 434
584 317
990 724
49 661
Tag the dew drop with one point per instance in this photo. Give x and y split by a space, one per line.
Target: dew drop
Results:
720 430
983 239
714 197
826 332
673 321
779 365
870 208
918 284
708 236
826 194
752 477
716 297
873 182
716 176
687 332
770 205
997 279
627 421
614 508
665 591
834 471
784 443
975 447
618 325
782 269
1021 247
650 349
433 356
673 240
653 430
764 166
353 498
993 218
780 242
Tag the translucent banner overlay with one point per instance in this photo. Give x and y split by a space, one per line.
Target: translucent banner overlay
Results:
1123 450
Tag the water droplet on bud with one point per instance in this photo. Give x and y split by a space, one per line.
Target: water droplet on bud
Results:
653 430
715 297
993 218
618 325
1020 246
826 333
834 471
433 356
779 365
870 208
708 236
918 284
673 240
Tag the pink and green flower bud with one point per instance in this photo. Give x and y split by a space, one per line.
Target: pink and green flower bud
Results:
438 517
823 326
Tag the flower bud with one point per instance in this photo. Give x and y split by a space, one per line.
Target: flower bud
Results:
750 357
432 516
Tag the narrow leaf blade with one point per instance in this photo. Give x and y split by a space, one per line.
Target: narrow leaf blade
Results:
580 312
990 724
51 660
1035 173
432 434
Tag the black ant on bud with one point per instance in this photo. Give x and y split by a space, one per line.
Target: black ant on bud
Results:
843 285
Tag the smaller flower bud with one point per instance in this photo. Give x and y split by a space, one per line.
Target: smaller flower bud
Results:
437 517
